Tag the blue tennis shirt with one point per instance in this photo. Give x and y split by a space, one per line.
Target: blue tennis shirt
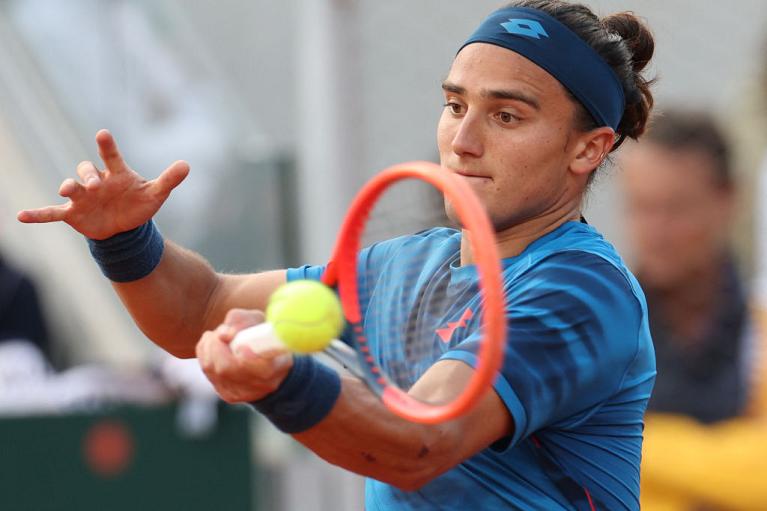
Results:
578 370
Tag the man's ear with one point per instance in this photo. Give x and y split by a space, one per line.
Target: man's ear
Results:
590 150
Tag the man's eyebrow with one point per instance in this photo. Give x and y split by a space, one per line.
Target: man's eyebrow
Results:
451 87
513 95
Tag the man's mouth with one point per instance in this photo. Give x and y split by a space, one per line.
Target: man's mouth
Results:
472 175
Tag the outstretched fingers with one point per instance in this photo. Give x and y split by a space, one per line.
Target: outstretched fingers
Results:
71 189
171 177
43 215
89 174
109 152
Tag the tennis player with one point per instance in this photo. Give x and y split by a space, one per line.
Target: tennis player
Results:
535 100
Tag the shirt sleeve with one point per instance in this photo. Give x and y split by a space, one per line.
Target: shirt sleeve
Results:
573 330
306 272
370 260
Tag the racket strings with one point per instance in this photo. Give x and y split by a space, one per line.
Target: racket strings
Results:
413 306
436 323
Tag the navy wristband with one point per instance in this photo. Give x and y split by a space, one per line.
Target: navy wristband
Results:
129 255
304 398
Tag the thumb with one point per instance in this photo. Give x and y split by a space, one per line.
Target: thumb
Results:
171 177
242 318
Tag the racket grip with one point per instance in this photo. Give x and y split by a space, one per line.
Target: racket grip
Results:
260 338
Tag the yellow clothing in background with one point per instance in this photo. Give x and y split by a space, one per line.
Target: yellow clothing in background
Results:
685 464
689 466
758 401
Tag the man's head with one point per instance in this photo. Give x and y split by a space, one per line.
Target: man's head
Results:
679 196
527 124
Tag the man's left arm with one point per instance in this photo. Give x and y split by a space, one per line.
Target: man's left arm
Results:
362 435
359 433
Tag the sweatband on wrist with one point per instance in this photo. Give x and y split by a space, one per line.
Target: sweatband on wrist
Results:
304 398
551 45
129 255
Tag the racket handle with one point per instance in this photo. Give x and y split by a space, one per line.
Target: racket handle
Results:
260 338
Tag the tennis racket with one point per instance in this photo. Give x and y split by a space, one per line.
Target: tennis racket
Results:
407 298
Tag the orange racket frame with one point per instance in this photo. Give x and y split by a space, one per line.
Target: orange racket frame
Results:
342 271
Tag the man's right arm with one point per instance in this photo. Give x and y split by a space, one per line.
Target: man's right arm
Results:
183 297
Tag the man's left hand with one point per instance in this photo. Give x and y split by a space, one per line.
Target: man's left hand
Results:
249 375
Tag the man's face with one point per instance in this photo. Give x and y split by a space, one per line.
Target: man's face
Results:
678 217
508 126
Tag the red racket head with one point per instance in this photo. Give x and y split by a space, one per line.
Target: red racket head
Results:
409 301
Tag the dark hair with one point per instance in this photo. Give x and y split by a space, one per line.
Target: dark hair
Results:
625 43
691 130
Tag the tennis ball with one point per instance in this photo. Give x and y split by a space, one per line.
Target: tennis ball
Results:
306 315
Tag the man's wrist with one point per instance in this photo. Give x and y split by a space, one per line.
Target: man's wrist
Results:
304 398
129 255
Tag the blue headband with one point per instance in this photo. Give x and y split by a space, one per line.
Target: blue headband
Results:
551 45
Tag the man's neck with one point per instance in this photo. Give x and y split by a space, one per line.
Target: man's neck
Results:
513 240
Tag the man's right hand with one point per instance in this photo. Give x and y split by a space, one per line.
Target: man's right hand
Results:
114 200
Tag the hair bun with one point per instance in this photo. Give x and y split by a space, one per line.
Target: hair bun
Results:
635 34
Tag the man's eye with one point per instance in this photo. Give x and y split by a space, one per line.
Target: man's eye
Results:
506 117
455 108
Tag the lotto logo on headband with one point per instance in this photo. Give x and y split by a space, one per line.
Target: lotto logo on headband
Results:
527 28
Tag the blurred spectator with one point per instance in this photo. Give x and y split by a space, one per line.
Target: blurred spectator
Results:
21 316
760 239
760 294
29 385
680 196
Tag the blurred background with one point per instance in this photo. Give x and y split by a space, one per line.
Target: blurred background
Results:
283 109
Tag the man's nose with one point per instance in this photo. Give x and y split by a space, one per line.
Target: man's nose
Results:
468 140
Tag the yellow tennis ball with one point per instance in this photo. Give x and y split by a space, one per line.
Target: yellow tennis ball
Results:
306 315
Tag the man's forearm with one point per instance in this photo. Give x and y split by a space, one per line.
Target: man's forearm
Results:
183 297
171 305
363 436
